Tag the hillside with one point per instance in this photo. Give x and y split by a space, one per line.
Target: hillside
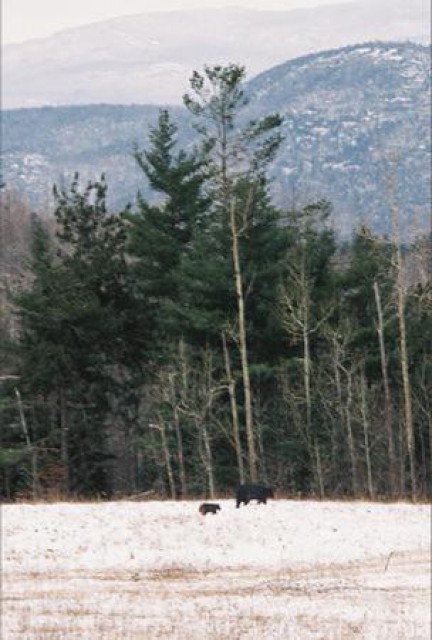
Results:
347 112
47 145
148 58
353 118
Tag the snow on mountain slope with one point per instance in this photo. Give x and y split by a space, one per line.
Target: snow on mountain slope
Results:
346 112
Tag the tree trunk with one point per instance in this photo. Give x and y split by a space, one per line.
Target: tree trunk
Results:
179 436
306 380
262 457
387 394
234 412
167 458
365 420
207 459
180 454
252 458
402 457
350 436
319 472
340 419
31 449
64 449
409 428
314 453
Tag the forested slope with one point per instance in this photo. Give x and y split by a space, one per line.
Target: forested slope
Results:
352 117
207 336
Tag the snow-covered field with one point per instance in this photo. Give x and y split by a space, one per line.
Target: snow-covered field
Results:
291 570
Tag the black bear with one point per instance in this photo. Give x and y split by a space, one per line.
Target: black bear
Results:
209 507
247 492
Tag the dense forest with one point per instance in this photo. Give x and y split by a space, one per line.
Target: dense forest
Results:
178 348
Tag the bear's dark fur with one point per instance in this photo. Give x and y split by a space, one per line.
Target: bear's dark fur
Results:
247 492
209 507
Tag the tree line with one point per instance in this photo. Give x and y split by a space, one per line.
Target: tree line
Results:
206 338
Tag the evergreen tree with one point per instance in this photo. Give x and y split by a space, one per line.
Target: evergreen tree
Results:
82 341
161 234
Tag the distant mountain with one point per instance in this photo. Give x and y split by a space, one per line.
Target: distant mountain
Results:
349 114
148 58
354 118
47 145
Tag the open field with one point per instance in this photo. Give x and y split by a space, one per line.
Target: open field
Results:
289 570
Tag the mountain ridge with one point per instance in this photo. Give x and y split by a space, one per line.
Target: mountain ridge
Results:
148 58
346 111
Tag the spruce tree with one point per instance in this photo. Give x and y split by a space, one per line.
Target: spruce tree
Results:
161 234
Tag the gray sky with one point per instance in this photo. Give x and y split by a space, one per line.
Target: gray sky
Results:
25 19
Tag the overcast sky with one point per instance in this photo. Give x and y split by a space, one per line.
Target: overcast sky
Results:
25 19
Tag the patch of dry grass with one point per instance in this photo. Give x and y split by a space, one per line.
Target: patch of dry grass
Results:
172 575
176 573
179 604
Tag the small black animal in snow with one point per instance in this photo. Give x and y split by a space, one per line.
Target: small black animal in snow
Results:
209 507
247 492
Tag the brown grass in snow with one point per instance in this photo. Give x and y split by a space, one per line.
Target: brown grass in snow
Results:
306 604
176 576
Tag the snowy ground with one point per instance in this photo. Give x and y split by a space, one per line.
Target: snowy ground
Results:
289 570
